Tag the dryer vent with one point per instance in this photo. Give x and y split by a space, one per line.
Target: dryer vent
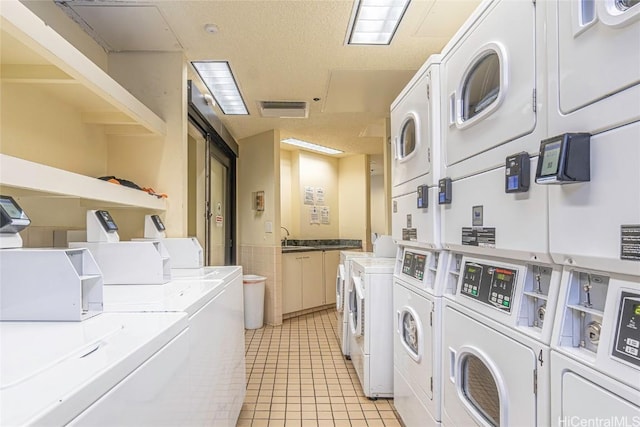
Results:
284 109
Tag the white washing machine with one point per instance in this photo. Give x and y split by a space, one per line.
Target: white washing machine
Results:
492 87
215 310
417 307
371 324
595 357
123 369
593 65
343 283
497 322
415 128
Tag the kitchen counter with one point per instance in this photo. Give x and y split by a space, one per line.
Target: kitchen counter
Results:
321 245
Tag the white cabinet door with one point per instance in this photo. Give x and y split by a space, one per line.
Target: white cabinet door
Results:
312 280
291 282
331 261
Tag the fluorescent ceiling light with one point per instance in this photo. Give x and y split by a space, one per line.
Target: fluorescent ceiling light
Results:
219 79
375 21
310 146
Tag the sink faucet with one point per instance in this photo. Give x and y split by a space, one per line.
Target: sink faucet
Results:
285 237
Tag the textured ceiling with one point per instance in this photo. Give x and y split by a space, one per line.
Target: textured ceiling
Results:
295 50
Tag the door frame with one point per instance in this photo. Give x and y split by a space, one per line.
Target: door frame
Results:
220 146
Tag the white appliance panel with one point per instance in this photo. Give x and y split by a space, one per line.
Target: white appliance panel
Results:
417 103
344 287
410 408
585 219
417 345
584 96
519 219
490 375
154 394
580 393
74 364
406 217
507 29
371 341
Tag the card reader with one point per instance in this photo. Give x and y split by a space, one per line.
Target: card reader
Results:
517 170
444 191
107 221
158 222
564 159
12 218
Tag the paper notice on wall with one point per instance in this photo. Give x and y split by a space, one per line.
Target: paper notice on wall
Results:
324 215
314 215
308 195
319 196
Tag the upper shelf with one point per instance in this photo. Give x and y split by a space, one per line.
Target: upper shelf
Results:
33 53
22 177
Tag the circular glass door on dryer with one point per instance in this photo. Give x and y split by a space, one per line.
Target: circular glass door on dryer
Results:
356 308
489 84
480 390
340 288
491 376
407 143
411 334
482 86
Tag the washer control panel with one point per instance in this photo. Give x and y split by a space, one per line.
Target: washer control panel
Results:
414 264
627 336
489 284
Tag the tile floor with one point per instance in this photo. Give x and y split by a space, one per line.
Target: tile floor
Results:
297 376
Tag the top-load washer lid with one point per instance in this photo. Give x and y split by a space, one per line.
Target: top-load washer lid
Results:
50 371
178 295
376 265
227 272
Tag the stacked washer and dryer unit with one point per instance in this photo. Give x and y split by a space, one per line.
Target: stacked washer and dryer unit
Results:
594 87
420 262
501 286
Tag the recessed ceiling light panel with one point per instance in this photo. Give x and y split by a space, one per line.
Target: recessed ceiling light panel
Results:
310 146
375 21
218 78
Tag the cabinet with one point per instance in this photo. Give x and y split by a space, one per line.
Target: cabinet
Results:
302 281
66 122
331 259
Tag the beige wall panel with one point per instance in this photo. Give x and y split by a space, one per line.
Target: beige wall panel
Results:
354 217
43 129
159 81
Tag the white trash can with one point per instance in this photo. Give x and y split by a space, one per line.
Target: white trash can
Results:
253 286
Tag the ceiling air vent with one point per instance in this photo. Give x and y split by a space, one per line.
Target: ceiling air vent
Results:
284 109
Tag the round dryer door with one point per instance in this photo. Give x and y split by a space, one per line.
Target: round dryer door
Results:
340 288
356 308
411 333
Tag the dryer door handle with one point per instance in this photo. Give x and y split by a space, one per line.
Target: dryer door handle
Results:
452 365
398 324
452 109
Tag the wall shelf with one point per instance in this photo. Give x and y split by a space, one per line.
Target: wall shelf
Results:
33 53
22 177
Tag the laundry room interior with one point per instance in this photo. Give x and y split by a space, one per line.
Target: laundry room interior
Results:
281 213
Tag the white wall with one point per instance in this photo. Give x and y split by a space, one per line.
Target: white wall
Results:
259 170
354 219
159 80
286 218
318 172
378 205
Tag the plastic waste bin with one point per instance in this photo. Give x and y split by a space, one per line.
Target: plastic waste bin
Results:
253 301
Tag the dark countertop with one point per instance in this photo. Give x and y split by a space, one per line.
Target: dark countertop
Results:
288 249
321 245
